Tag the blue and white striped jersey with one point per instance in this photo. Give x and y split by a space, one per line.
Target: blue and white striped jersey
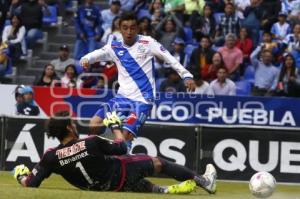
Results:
136 66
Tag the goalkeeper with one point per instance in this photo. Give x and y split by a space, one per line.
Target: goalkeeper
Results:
99 164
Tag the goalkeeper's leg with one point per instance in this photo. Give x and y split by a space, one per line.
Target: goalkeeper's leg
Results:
207 181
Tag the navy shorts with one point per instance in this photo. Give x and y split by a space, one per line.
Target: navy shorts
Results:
135 112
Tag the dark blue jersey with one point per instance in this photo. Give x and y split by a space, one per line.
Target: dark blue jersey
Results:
88 21
85 163
28 109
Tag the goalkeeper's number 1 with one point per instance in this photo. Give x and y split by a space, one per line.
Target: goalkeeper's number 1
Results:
84 173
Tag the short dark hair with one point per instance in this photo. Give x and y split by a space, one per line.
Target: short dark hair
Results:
229 4
206 37
57 125
126 16
222 68
267 33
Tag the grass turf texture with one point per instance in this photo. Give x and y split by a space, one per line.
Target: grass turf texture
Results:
56 187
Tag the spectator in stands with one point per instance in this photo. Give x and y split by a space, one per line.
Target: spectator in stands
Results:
155 5
49 77
229 23
245 44
241 5
63 60
109 14
4 8
203 24
233 56
194 6
270 10
296 51
168 29
145 27
5 61
266 74
292 40
174 6
15 8
292 7
268 43
156 17
281 28
113 32
88 29
252 20
32 18
178 51
289 80
14 36
173 83
201 60
201 87
222 85
28 106
69 80
286 6
18 97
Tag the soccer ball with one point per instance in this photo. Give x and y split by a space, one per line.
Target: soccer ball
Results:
262 184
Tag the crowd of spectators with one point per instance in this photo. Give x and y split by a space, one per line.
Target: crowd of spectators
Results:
219 41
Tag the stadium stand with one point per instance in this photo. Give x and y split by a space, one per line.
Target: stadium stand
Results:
58 31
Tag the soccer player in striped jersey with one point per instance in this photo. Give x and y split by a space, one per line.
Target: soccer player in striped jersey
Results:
134 57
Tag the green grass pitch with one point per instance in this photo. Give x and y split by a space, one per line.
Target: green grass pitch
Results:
58 188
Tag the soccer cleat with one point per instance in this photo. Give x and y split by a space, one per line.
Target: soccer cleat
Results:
210 175
185 187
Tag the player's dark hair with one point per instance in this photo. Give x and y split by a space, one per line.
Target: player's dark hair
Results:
57 125
127 16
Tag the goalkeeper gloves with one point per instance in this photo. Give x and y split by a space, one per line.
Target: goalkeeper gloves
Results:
20 172
112 121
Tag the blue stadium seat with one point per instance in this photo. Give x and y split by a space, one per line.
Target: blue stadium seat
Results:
143 13
188 35
50 15
7 22
243 88
158 83
249 74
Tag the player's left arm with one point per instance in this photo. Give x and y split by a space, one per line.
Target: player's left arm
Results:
159 51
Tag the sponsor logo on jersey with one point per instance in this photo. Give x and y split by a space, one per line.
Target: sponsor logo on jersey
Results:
69 151
143 41
162 49
121 52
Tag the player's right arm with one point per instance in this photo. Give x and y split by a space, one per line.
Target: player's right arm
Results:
111 147
102 54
